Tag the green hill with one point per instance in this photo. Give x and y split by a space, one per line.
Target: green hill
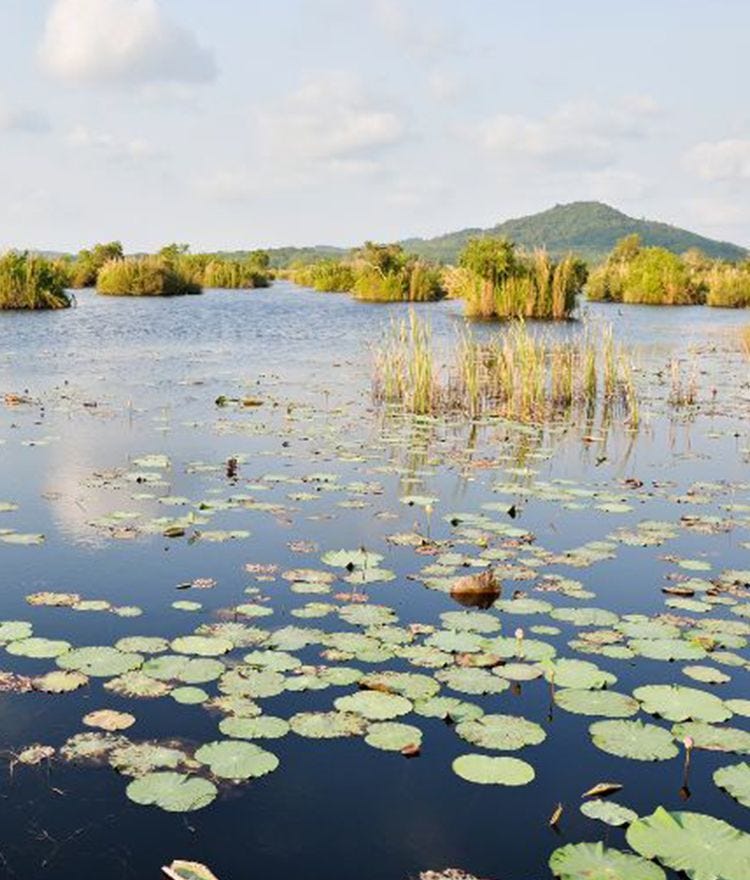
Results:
589 229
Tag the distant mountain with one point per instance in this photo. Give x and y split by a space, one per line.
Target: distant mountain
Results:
589 229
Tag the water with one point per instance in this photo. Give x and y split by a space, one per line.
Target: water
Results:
115 379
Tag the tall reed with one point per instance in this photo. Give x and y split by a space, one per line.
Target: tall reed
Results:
31 282
517 374
143 276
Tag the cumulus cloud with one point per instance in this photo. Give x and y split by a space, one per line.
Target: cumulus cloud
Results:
330 118
720 160
584 133
120 41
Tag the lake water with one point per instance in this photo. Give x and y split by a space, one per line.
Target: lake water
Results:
320 468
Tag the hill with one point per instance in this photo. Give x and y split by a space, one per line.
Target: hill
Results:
590 229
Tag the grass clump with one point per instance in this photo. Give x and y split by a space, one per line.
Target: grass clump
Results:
496 281
31 282
374 273
143 276
518 375
327 276
85 267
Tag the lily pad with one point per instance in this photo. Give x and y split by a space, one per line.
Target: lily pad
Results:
501 732
676 703
735 779
392 736
633 739
235 759
260 727
606 704
374 705
609 812
702 847
173 792
485 770
99 662
594 861
327 725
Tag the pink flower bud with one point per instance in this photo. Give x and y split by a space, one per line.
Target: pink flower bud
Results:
519 633
688 742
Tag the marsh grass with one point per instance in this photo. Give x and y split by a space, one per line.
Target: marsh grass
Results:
143 276
31 282
528 377
683 387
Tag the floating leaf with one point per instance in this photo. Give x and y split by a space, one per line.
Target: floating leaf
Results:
327 725
735 779
703 847
109 719
609 812
99 662
374 705
501 732
174 792
236 759
676 703
261 727
714 739
37 647
594 861
485 770
633 739
607 704
392 736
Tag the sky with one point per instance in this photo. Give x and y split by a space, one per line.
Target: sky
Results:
246 123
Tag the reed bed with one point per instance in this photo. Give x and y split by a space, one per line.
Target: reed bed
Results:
519 375
143 276
31 282
745 339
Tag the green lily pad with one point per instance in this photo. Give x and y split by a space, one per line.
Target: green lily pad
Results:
501 732
189 696
137 684
37 647
392 736
327 725
578 674
138 759
633 739
676 703
374 705
485 770
173 792
260 727
713 738
609 812
468 680
594 861
204 646
12 630
351 559
99 662
702 847
236 759
606 704
735 779
177 667
60 681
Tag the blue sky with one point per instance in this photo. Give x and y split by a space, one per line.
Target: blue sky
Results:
231 123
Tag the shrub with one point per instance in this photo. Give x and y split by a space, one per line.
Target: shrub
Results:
87 264
31 282
498 282
143 276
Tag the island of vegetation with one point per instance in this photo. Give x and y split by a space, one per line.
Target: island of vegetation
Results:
31 282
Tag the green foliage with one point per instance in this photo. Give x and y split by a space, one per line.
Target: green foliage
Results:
376 272
329 276
31 282
655 276
143 276
87 264
498 282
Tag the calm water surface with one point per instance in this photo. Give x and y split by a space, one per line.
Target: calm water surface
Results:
115 379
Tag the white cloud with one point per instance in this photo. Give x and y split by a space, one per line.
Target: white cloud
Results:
720 160
230 185
582 133
116 148
330 119
129 41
